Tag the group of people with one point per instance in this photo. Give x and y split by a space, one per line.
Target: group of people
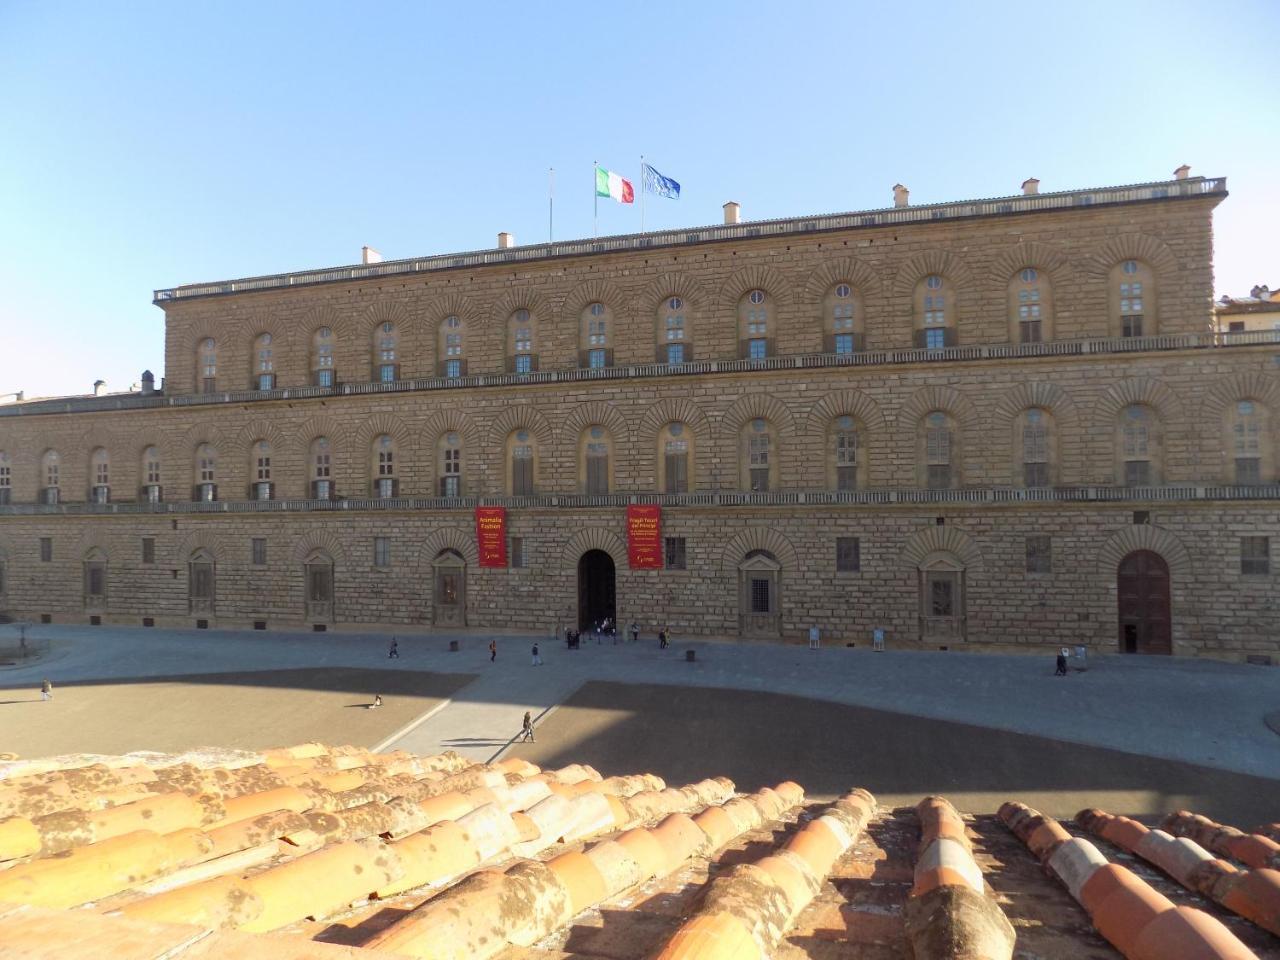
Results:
606 627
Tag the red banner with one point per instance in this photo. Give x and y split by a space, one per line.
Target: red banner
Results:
491 536
644 537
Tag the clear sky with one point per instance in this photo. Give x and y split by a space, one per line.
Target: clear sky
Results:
145 145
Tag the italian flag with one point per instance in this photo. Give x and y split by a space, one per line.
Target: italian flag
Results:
611 185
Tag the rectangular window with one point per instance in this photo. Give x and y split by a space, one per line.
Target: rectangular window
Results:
1029 330
46 549
262 491
95 580
5 496
1137 473
381 551
844 343
453 368
595 359
675 353
674 557
202 582
524 363
759 595
1131 326
1039 555
51 495
101 494
259 550
1255 555
517 552
1235 326
848 554
939 476
324 378
677 466
387 373
935 338
522 471
450 486
1035 474
148 549
266 381
321 489
597 469
1248 470
385 488
757 349
846 478
209 385
941 595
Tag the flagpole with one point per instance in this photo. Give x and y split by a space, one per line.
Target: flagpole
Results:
595 199
642 193
551 205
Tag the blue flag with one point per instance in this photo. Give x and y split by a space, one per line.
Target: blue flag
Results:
655 182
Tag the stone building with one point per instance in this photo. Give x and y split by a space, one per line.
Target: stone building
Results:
996 422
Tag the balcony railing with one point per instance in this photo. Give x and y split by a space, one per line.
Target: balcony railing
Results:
1171 493
811 361
885 217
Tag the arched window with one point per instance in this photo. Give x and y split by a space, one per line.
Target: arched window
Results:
1034 447
1030 307
261 488
95 579
846 469
6 479
452 348
449 453
207 365
264 364
755 326
321 459
201 582
50 464
935 319
386 484
100 474
386 353
522 356
594 449
1133 300
675 458
1251 452
152 490
206 488
759 456
323 373
522 464
675 331
842 319
1138 437
596 337
938 442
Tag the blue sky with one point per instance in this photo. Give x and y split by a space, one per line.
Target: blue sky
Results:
144 145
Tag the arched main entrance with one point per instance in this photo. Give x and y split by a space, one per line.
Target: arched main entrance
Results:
597 586
1142 588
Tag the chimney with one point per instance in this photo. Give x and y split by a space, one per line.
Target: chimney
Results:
506 240
148 383
99 387
900 195
370 255
1181 172
732 212
1030 186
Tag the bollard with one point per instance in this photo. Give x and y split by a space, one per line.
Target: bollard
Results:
453 646
690 655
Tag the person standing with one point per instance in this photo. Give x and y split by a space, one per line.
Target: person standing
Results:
526 729
635 632
537 657
46 690
813 638
394 652
493 650
664 638
1061 670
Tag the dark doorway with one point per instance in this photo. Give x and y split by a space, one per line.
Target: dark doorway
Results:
596 596
1142 585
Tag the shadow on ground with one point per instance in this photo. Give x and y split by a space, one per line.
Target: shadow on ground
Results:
685 734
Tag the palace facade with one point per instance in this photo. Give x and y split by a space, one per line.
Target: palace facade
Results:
999 422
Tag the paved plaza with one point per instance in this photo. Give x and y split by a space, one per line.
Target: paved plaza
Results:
901 722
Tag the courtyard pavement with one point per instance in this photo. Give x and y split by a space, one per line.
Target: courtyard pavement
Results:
1198 711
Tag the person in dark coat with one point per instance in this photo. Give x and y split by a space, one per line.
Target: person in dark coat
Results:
394 652
1061 670
493 650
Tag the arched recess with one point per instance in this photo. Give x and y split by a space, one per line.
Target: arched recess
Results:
852 403
932 540
322 541
755 405
259 323
92 539
321 425
1142 536
453 304
521 296
930 262
1135 246
1066 421
362 447
1150 393
326 316
675 410
409 346
842 270
1029 253
593 290
594 538
256 430
680 285
522 417
948 399
180 451
1242 386
451 420
593 412
446 538
199 540
761 277
759 538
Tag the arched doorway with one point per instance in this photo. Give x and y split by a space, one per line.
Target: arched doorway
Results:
1142 589
449 608
597 586
758 599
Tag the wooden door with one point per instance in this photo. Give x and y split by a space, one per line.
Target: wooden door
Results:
1142 588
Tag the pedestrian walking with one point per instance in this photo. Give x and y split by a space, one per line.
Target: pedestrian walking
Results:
635 632
1061 670
377 701
664 638
537 657
46 690
813 638
394 652
599 629
526 729
493 650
